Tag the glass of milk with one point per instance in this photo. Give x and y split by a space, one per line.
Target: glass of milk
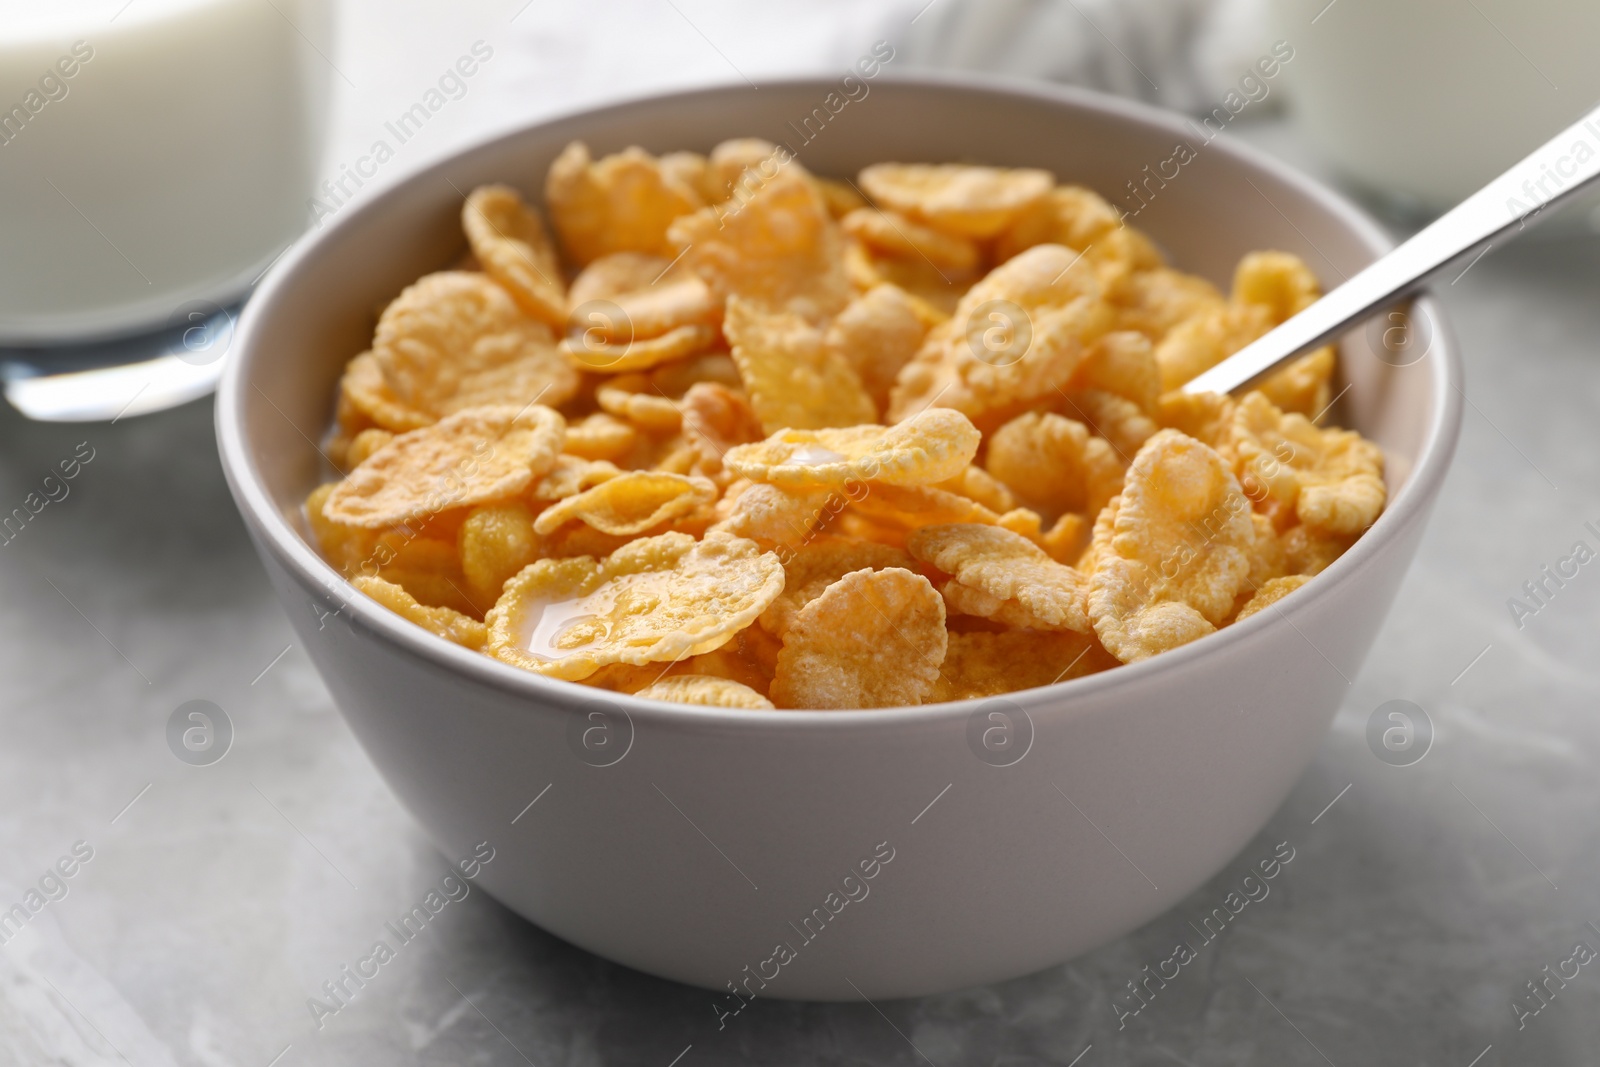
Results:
155 155
1420 102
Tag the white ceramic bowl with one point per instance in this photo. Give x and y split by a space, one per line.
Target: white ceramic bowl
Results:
693 842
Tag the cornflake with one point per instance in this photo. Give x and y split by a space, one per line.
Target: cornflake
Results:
983 664
1331 479
737 435
873 639
1015 340
654 600
629 503
975 201
449 624
1003 576
813 567
621 203
1270 593
705 690
470 457
931 446
793 380
456 340
1179 550
778 249
507 237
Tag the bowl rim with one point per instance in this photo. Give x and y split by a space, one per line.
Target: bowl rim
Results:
312 571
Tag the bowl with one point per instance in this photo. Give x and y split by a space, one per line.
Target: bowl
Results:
839 855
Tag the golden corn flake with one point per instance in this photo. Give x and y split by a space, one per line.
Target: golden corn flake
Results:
705 690
840 197
1307 551
1285 286
740 166
1100 534
793 381
629 503
591 352
979 486
451 625
896 235
1197 344
344 546
571 475
1065 540
1121 422
654 600
455 340
1270 593
1268 560
1179 551
715 420
677 378
1154 301
1001 575
931 446
935 293
364 444
1119 257
853 525
665 306
775 516
1207 417
601 436
674 455
510 242
810 569
879 332
1054 465
748 659
495 542
981 664
911 506
1279 281
1302 385
737 661
1014 341
873 639
1068 215
630 397
975 201
1268 287
425 567
616 273
690 170
471 457
778 249
787 441
1122 363
1331 479
364 387
621 203
654 310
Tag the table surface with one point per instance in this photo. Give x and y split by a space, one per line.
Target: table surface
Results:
1421 900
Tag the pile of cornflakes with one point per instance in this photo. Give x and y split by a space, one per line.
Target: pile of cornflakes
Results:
735 434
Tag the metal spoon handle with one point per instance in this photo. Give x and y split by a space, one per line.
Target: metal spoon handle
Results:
1561 167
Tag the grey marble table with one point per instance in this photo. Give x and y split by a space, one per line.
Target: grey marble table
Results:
215 899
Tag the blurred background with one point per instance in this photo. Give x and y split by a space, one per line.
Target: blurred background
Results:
157 156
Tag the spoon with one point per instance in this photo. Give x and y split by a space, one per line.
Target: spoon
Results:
1504 207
